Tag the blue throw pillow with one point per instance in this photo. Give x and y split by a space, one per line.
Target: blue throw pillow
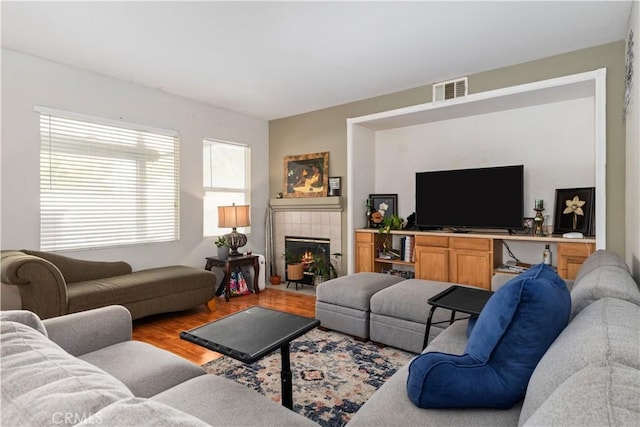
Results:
512 333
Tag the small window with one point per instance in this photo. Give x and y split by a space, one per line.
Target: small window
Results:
226 174
105 184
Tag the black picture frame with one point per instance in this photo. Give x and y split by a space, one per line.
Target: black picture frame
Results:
575 210
335 186
382 206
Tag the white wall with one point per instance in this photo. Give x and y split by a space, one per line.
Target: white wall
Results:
633 154
554 142
28 81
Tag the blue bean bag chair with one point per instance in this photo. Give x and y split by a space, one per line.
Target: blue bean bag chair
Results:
514 330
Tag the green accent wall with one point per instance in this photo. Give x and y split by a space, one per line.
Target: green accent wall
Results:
326 130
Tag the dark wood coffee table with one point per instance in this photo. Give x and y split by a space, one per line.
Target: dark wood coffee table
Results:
456 298
253 333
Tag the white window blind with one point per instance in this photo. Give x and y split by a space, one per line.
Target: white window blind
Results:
105 185
226 175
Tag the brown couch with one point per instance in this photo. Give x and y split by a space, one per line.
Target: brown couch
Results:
53 285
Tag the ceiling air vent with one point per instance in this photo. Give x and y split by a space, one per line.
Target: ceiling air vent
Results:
450 90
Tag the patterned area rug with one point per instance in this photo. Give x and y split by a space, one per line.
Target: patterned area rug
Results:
333 374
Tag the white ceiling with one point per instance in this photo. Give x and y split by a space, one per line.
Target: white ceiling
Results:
277 59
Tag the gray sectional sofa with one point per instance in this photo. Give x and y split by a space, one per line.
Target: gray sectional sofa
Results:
589 376
52 285
83 369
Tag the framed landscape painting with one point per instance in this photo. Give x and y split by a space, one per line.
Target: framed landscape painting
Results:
575 210
306 175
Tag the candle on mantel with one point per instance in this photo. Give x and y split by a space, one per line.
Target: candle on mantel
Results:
539 204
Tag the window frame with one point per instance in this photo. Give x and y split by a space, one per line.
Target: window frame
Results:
127 169
212 217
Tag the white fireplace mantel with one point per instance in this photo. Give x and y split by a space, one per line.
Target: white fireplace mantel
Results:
303 204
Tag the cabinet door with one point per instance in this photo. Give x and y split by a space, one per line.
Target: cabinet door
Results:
432 263
472 268
364 252
571 256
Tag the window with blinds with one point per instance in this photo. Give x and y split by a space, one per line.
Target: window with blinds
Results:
226 174
106 184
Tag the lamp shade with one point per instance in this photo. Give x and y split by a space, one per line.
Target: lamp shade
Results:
233 216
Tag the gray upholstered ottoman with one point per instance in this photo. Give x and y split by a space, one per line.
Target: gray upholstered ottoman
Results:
399 314
342 304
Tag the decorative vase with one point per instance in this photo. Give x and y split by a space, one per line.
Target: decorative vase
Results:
223 252
295 271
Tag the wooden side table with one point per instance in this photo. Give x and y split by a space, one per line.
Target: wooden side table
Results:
229 264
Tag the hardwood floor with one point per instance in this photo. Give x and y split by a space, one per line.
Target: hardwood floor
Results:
163 330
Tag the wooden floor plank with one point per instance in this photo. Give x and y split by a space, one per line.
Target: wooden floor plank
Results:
163 330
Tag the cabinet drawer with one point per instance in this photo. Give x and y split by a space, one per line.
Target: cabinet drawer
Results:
437 241
364 237
576 249
470 243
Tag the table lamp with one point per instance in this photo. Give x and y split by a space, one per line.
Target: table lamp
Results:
232 217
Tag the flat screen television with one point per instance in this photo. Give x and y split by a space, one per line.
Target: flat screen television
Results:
471 198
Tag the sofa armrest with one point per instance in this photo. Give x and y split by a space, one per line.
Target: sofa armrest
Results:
87 331
42 287
78 270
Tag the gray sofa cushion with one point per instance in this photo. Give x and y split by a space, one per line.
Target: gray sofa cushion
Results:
39 379
354 290
600 258
603 282
222 402
140 412
146 370
25 317
595 396
604 333
408 300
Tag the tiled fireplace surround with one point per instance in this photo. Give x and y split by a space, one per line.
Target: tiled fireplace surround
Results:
316 223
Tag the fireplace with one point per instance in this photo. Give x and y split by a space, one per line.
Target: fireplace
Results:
307 249
291 220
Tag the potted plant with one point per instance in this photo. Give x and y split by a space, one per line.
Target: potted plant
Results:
324 270
223 248
391 222
295 268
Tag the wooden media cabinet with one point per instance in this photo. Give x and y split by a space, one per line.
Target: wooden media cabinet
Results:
468 259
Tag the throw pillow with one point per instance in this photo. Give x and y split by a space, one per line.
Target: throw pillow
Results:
512 333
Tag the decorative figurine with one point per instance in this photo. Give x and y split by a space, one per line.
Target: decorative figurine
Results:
539 219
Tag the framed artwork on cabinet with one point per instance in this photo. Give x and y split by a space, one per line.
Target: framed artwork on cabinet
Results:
382 206
575 210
